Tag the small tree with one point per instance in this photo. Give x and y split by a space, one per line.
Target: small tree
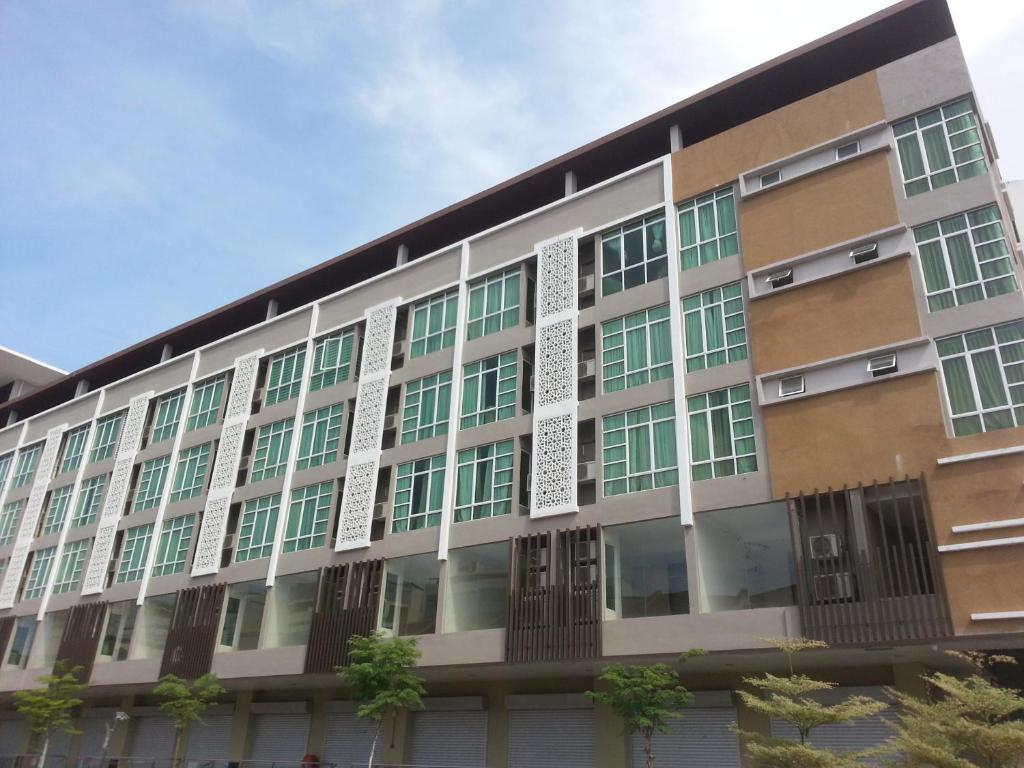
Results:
646 697
965 722
382 680
184 703
789 699
48 709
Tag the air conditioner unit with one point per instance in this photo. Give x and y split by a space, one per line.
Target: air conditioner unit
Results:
882 365
229 541
791 385
780 278
586 471
826 545
587 283
396 348
243 463
772 177
849 149
378 511
833 587
587 369
531 383
864 253
389 421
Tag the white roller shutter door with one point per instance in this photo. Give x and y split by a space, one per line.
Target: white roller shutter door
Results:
454 739
701 737
210 741
152 738
279 736
551 738
348 739
861 734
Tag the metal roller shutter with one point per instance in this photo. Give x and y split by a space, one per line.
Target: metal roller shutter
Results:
60 745
348 739
861 734
90 743
13 734
702 736
210 741
551 738
279 736
453 739
152 738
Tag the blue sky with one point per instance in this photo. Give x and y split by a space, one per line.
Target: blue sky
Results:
160 159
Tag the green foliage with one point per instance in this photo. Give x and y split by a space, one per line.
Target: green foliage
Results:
381 677
185 702
789 698
48 709
966 722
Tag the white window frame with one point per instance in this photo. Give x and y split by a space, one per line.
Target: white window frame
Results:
131 565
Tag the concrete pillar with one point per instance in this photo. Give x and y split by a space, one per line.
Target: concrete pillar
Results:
239 741
571 183
12 417
394 739
403 255
749 720
611 744
119 738
81 388
166 353
497 727
271 308
318 723
675 138
908 678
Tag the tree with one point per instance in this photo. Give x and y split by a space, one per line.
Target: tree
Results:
965 722
646 697
184 703
381 679
48 709
789 698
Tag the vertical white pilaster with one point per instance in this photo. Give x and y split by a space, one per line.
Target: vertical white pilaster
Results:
454 408
172 468
117 491
30 518
225 465
555 393
76 487
368 428
6 487
678 355
293 448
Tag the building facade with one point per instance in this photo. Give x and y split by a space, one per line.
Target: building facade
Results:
751 367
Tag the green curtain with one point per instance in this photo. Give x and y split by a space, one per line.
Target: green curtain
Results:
700 444
706 221
958 385
661 343
638 439
721 432
935 148
933 266
470 394
687 228
428 407
636 349
512 291
484 480
961 259
911 160
665 444
714 327
990 381
436 490
726 215
694 337
419 322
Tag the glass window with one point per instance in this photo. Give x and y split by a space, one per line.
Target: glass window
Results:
308 515
410 595
332 360
427 405
243 616
633 254
489 390
284 379
118 632
152 477
47 640
965 258
493 303
204 408
419 491
984 375
640 450
5 469
134 553
484 482
270 458
57 509
90 496
636 349
39 572
154 621
707 228
477 587
72 561
9 520
746 558
21 642
172 550
258 528
27 460
320 437
433 324
168 415
190 474
715 331
74 448
645 569
939 147
721 433
108 430
292 602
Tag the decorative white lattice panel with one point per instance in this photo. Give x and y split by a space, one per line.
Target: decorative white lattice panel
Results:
30 519
117 491
367 428
225 465
555 399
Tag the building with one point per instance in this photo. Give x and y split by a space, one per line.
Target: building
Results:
20 375
750 367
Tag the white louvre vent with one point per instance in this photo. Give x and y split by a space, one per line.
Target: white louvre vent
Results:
791 385
850 149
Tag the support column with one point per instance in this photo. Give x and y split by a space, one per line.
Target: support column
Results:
497 726
749 720
239 738
611 748
318 723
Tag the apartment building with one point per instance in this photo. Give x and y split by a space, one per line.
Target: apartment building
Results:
750 367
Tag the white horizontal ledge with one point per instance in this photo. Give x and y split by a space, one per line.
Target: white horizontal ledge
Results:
990 525
984 544
997 616
993 454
